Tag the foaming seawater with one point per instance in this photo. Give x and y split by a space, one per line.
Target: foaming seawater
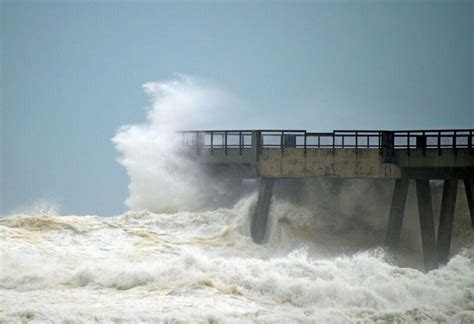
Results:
202 266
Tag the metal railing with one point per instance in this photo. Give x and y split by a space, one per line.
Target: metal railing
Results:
347 139
218 139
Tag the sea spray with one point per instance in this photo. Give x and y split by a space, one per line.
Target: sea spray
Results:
161 179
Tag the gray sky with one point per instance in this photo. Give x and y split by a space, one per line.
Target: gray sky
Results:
72 73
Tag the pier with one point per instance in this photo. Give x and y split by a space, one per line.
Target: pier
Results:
406 156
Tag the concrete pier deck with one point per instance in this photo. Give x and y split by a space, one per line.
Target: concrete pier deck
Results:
404 155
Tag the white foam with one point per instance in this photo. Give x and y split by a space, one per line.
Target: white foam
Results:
202 266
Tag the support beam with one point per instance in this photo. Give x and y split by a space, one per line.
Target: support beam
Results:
469 187
397 209
425 209
260 218
446 218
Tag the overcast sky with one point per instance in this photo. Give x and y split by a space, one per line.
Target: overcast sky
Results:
72 73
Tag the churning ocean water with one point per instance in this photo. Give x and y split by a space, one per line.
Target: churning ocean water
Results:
322 262
204 267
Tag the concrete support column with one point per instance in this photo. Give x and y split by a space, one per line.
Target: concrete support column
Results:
425 210
397 209
469 187
446 218
260 219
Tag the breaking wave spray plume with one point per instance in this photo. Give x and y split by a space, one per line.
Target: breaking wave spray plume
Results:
161 179
171 258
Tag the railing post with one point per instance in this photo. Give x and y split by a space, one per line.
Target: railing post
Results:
256 146
281 141
388 141
421 142
425 142
408 143
469 142
240 142
225 143
380 143
439 143
212 142
454 142
197 143
305 143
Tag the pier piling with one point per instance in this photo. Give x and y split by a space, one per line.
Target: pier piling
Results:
425 209
397 209
446 219
469 187
260 218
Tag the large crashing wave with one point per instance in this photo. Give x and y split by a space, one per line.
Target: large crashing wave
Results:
161 179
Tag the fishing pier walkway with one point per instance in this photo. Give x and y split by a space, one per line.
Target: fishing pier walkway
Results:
418 155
